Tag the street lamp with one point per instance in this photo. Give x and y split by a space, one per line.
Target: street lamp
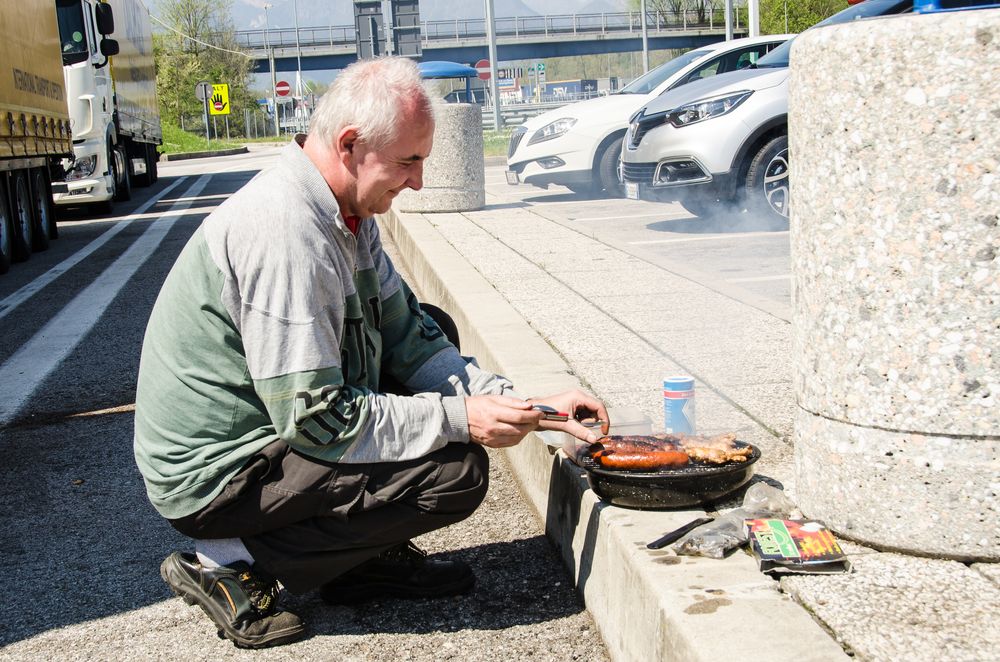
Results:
270 61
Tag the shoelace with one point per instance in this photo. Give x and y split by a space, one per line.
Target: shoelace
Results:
263 594
407 553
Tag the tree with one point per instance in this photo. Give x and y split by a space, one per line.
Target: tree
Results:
200 47
801 14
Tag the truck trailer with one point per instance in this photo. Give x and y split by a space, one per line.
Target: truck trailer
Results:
110 81
34 126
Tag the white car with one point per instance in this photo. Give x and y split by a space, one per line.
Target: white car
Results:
721 145
578 145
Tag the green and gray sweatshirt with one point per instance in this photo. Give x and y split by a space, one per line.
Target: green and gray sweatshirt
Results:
275 322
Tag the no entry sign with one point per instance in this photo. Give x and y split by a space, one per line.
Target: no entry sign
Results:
483 67
281 88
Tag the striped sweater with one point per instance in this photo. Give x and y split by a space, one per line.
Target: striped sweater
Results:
275 322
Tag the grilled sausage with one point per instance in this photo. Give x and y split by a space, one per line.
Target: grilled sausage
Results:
643 461
634 444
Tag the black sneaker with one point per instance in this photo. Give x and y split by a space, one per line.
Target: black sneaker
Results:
403 571
242 602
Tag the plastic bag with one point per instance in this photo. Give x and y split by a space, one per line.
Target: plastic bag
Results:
726 532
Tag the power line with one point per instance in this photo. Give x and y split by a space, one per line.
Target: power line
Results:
199 41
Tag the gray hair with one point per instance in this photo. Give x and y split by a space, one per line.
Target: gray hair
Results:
374 95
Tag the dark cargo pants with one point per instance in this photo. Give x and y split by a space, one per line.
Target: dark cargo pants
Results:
307 521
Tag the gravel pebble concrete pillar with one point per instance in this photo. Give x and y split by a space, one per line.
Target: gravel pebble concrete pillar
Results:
894 144
455 173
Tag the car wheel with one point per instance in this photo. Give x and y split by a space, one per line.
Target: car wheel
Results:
24 224
42 210
766 187
6 233
123 181
609 170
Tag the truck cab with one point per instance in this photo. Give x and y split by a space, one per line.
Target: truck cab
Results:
111 94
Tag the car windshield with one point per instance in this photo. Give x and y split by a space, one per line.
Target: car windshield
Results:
647 82
779 56
72 33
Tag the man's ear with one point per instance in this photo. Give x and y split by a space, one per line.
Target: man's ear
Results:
346 141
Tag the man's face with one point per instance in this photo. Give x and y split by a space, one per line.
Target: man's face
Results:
382 174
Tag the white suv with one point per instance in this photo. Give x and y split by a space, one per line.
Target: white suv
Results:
722 143
578 145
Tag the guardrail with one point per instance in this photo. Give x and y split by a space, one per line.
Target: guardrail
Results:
526 27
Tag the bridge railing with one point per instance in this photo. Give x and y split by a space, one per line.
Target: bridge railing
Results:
528 27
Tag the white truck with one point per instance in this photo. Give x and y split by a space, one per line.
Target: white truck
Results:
107 55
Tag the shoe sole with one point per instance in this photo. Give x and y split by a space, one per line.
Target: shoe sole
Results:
363 593
183 587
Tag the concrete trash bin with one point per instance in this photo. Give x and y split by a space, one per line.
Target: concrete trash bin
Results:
896 280
455 172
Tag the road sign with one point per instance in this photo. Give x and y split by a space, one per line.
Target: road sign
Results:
540 69
203 91
281 88
483 67
219 104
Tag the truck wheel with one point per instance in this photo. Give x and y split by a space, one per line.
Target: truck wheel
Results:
608 166
41 208
146 178
154 158
24 224
6 232
766 187
123 183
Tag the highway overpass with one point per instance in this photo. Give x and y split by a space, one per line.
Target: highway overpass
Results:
518 38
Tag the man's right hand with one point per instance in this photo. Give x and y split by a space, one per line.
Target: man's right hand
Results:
499 421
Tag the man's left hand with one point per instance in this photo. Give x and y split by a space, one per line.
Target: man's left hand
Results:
580 406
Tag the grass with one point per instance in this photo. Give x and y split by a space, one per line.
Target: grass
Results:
179 141
495 142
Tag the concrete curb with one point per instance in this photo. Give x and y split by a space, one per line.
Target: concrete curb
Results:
648 605
204 155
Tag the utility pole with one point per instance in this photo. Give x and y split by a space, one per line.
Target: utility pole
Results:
298 71
274 79
729 20
645 37
494 84
753 18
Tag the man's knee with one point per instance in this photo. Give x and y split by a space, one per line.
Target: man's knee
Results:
463 481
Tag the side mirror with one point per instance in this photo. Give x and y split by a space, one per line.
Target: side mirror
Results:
105 18
109 47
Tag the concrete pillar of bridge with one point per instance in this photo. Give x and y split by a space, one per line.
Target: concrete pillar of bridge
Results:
896 290
454 175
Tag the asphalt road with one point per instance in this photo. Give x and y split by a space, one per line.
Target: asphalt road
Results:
79 544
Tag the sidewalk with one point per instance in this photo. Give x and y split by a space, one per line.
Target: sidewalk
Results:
552 309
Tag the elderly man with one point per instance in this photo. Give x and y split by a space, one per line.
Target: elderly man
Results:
298 414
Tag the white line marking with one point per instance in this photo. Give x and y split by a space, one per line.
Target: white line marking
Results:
20 296
28 367
615 217
709 238
759 279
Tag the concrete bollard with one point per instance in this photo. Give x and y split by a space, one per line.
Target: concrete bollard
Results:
896 280
454 175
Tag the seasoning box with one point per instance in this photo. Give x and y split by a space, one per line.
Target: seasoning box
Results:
801 546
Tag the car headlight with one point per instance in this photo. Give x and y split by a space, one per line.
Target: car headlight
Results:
552 130
706 109
82 168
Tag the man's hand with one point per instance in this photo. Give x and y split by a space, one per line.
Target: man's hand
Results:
580 406
499 421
